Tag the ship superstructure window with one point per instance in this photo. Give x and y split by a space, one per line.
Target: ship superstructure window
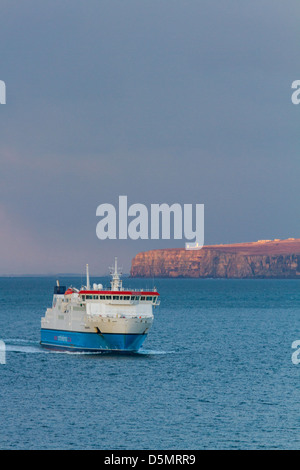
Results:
89 297
135 297
83 297
149 299
143 298
102 297
108 297
126 297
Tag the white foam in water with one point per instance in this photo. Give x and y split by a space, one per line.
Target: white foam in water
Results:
23 349
23 346
151 352
18 340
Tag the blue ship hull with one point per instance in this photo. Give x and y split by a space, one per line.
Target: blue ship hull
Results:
90 342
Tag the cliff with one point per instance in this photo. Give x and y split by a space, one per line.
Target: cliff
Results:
263 259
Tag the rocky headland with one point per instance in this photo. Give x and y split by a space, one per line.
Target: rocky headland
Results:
262 259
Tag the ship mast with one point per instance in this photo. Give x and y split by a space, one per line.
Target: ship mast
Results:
116 283
88 286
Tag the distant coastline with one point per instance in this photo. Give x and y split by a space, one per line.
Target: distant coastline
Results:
58 275
263 259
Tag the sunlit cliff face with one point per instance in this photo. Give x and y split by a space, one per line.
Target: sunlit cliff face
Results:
262 259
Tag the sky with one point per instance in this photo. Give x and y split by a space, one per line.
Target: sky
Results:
165 101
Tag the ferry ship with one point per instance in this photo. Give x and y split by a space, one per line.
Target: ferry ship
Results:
95 319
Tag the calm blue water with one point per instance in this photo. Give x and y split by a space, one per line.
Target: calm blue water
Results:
215 372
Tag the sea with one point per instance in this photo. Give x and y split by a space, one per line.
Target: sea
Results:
216 372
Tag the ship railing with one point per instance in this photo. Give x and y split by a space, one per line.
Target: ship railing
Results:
123 289
96 316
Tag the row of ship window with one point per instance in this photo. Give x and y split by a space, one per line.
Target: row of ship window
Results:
118 297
